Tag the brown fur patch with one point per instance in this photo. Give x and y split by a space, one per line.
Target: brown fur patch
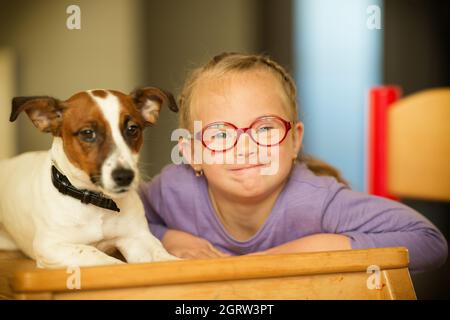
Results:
81 112
99 93
45 112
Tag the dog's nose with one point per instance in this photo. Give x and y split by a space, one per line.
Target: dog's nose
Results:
122 177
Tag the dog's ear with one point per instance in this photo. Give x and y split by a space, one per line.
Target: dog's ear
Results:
45 112
149 101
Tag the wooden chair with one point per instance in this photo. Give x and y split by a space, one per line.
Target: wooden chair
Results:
319 275
419 146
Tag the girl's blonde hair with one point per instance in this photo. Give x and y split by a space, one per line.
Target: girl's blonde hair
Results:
236 62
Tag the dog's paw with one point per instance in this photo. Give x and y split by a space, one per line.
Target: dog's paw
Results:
165 256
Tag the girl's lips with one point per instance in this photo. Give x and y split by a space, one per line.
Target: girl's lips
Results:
245 167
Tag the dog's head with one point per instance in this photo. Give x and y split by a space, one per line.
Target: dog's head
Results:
101 130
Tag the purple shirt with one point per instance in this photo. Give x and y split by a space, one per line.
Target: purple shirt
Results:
308 204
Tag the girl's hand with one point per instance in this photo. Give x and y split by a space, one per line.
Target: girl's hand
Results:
187 246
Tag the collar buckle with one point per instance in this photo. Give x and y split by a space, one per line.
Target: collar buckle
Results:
86 197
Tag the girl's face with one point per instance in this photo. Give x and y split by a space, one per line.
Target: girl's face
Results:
240 98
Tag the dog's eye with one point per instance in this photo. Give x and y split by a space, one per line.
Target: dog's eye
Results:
87 135
132 129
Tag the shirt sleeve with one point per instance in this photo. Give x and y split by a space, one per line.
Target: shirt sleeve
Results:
152 199
373 222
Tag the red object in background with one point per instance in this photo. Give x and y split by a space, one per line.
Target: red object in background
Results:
380 99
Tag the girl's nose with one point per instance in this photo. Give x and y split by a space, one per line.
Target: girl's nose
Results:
245 146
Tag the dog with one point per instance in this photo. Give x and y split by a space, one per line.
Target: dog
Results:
78 201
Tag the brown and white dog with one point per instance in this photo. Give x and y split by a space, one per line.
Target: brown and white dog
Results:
93 158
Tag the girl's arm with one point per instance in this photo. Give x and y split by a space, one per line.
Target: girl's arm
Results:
316 242
375 222
354 220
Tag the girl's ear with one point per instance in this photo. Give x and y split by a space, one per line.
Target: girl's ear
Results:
297 135
186 150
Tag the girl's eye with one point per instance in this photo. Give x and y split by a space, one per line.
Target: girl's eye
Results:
265 128
220 135
87 135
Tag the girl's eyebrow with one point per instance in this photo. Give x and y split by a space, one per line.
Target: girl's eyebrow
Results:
216 124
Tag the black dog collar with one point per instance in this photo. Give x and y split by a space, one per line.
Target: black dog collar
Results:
64 186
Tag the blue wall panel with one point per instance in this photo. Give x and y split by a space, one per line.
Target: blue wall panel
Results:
338 58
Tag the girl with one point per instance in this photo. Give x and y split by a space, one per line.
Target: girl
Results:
247 104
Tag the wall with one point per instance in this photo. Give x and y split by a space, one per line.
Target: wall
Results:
338 59
7 90
417 46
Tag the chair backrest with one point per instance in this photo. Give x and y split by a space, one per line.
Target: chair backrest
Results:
419 146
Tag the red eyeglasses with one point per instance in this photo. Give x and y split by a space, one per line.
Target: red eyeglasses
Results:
265 131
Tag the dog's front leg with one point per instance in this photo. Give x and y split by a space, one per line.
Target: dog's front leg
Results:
143 248
75 255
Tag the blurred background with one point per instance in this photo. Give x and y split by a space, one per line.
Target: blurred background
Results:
325 44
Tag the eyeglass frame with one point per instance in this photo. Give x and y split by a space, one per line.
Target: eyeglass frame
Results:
287 125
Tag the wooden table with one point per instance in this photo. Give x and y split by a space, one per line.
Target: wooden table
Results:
319 275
